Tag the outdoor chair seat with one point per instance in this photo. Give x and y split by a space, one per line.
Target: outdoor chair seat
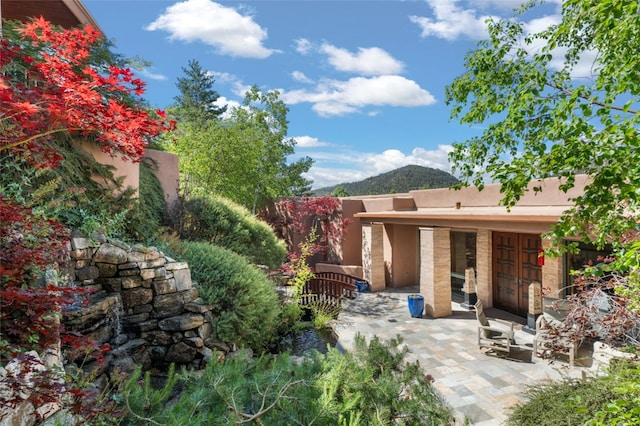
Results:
546 346
497 337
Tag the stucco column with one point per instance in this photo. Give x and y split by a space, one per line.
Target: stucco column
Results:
483 267
373 255
552 271
435 271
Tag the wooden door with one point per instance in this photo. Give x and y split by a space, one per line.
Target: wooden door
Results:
515 266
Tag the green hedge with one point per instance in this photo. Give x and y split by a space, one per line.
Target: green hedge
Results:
226 224
246 307
148 214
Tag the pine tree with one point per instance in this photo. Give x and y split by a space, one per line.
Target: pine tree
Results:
196 102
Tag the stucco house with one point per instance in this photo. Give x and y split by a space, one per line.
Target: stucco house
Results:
430 237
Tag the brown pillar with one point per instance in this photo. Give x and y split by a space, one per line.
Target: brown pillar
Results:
552 272
435 271
373 255
483 267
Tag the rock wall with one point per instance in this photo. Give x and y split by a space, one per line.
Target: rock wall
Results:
144 304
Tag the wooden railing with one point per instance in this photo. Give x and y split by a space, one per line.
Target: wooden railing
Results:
332 285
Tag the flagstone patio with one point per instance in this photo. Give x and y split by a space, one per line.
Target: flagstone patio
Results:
479 386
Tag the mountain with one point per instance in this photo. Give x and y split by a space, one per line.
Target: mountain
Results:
404 179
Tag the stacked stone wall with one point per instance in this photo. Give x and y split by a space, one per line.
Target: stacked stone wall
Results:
144 304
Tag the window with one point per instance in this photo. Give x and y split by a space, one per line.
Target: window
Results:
463 256
587 255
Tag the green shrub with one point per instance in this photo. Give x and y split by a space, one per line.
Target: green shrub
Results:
624 404
80 193
603 400
373 385
554 403
245 303
146 218
221 222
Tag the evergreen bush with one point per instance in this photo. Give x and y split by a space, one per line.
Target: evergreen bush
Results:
83 194
149 214
613 399
244 300
373 385
222 222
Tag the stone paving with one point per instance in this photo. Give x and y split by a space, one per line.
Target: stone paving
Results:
479 386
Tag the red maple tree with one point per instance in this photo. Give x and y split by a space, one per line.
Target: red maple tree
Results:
325 213
48 85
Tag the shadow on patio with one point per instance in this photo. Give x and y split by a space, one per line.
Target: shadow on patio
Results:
479 386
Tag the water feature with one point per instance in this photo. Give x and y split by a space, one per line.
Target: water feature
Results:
310 338
300 342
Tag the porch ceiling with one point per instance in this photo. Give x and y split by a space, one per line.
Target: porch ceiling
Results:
543 214
538 219
66 13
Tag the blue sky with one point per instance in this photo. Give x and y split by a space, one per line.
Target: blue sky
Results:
364 80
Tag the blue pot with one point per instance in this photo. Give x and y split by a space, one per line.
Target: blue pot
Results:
416 305
362 286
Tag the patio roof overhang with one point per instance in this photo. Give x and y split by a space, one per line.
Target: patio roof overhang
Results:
66 13
534 219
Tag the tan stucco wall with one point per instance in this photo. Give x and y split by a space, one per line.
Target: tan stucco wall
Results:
126 169
403 203
383 203
166 168
404 256
490 195
356 271
352 244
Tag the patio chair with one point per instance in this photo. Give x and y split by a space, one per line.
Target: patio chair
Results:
546 346
497 337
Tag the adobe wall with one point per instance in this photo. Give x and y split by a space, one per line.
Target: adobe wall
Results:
166 168
404 259
125 169
352 244
164 165
491 196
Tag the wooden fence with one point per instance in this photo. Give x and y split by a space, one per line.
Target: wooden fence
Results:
332 285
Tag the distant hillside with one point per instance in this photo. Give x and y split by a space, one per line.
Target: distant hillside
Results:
400 180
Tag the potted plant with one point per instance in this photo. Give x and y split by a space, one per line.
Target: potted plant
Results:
416 305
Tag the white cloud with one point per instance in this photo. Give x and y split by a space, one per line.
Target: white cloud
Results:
327 169
585 66
309 142
237 86
299 76
230 103
222 77
333 97
451 21
153 76
211 23
392 159
500 4
303 46
540 24
367 61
